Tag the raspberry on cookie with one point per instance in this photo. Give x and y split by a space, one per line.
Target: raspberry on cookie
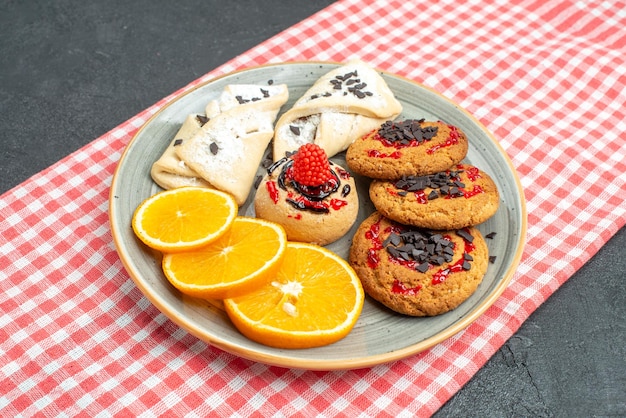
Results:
409 147
414 271
314 199
455 198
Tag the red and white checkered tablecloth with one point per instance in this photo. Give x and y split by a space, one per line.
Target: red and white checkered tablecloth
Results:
547 78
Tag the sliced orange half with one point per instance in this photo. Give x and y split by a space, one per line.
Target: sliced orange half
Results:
184 218
315 299
242 259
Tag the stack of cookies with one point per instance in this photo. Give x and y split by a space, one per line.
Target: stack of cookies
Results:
420 253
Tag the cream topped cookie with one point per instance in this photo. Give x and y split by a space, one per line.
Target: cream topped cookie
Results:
314 199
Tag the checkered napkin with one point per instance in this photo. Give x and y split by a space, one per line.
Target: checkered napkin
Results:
547 78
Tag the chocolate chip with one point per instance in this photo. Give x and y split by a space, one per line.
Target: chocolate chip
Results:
422 268
491 235
492 259
294 129
213 148
464 233
177 142
265 93
202 119
267 162
270 82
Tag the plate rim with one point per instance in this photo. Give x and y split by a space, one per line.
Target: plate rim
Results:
307 363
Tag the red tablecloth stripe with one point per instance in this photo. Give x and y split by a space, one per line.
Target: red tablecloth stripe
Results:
547 78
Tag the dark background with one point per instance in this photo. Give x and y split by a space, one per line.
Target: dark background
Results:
73 70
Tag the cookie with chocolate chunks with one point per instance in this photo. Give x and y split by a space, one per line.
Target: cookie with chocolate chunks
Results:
417 272
461 196
408 147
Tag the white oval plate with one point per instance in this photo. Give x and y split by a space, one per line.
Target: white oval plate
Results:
380 335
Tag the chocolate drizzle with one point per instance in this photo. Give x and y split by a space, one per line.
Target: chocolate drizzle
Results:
310 198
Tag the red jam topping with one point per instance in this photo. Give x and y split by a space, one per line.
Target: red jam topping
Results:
272 190
452 139
399 287
475 190
372 153
473 173
337 204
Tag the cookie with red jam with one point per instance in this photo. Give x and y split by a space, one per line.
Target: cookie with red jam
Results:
314 199
414 271
408 147
455 198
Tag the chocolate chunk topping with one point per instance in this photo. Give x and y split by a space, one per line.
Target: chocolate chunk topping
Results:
351 82
421 246
202 119
213 148
491 235
406 131
270 82
264 93
492 259
464 233
294 129
177 142
444 183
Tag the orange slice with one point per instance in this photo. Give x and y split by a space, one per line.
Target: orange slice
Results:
184 218
315 299
245 257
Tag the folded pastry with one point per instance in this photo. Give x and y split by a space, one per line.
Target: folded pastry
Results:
341 106
170 171
227 150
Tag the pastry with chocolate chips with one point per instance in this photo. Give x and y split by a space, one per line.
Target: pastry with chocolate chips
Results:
339 107
227 150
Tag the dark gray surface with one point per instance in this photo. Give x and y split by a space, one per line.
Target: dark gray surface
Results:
72 70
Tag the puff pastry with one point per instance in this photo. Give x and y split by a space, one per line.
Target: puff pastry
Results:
169 171
227 150
341 106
